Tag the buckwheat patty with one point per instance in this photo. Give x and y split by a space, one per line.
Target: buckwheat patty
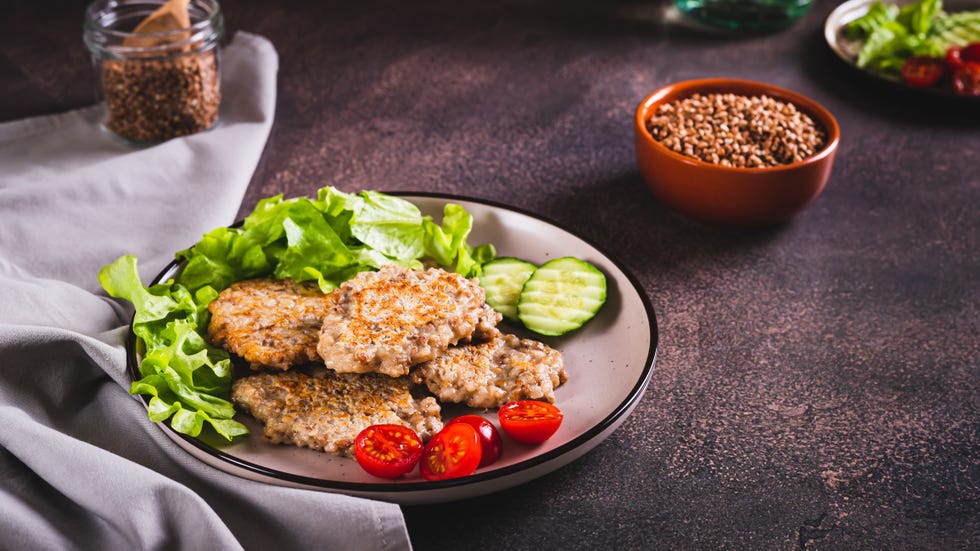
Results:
269 322
490 374
327 410
389 320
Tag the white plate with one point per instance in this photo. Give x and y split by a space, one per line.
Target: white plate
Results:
848 48
609 363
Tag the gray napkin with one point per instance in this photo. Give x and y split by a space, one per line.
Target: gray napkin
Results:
81 466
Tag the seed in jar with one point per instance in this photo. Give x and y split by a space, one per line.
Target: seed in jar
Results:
155 99
735 130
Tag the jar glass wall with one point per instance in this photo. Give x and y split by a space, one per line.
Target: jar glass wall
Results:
745 15
157 85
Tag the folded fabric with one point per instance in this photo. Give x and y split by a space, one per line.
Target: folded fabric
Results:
81 465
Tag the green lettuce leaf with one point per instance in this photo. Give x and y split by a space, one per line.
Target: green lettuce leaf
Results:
919 16
311 242
891 44
179 368
389 225
447 244
894 34
877 15
221 257
121 280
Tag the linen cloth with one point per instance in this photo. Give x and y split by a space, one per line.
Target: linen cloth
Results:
81 465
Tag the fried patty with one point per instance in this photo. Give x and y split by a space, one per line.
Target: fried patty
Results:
269 322
325 412
490 374
389 320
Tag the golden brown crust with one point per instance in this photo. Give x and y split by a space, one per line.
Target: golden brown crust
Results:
269 322
490 374
325 412
388 321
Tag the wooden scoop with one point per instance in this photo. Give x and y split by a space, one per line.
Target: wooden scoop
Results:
172 15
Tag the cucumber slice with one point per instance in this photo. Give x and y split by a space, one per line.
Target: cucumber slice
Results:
958 29
502 279
561 295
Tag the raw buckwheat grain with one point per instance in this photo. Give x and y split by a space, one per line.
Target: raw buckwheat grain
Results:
736 130
152 100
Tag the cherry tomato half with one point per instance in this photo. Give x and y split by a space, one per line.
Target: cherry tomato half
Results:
922 71
453 452
387 451
966 80
530 421
490 442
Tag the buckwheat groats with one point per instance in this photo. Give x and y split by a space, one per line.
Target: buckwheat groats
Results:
738 131
155 99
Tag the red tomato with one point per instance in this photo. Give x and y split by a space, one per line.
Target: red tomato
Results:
453 452
966 80
957 56
953 59
530 421
490 442
922 71
387 451
970 53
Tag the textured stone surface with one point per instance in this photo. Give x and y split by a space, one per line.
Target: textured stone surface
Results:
817 384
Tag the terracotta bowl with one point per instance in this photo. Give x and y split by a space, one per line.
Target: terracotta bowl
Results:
722 195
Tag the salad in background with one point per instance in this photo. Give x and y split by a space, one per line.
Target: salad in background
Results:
923 45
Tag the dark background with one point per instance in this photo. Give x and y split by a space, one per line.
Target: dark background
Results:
817 381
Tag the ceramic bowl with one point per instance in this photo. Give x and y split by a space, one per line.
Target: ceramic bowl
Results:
723 195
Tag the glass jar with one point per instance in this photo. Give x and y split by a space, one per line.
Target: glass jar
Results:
160 85
745 15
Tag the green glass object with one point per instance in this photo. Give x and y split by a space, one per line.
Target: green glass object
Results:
745 15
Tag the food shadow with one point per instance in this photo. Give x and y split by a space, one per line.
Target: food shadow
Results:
648 238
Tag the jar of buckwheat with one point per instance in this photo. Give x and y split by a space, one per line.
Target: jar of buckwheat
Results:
160 77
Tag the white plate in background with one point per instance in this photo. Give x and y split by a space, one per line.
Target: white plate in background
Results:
847 48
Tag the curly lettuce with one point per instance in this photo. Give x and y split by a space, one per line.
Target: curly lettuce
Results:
328 239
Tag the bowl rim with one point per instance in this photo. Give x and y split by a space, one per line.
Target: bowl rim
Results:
686 88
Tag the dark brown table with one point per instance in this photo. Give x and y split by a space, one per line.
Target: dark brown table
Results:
817 383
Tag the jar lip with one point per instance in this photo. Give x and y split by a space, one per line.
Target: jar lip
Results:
206 30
